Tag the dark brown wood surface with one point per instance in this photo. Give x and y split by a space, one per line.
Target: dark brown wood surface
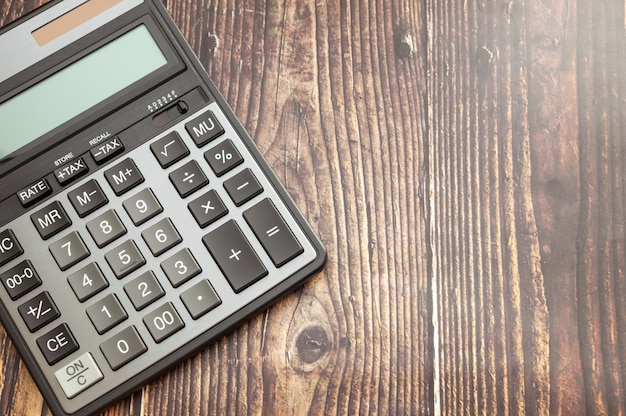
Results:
463 162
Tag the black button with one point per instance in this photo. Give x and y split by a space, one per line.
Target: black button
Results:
204 128
50 220
71 171
20 279
105 151
38 311
169 149
87 198
57 344
223 157
34 192
234 255
274 234
208 208
243 187
123 177
188 178
9 247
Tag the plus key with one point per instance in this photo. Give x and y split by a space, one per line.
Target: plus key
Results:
234 255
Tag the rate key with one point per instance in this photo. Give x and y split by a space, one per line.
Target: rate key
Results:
34 192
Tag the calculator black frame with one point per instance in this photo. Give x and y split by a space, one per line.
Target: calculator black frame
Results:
188 65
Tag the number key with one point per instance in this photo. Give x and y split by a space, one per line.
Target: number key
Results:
163 322
125 259
87 281
142 207
161 237
144 290
180 267
69 250
123 347
106 313
106 228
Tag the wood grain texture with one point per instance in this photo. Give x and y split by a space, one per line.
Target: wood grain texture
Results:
463 163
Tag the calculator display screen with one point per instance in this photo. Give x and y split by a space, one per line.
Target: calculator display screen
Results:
78 87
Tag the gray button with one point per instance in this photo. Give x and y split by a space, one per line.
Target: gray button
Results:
163 322
200 299
234 255
69 250
78 375
87 281
106 313
123 348
161 237
180 267
144 290
142 207
125 259
106 228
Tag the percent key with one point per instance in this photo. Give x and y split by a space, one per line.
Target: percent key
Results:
223 157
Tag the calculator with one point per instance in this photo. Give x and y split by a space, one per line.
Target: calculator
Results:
138 221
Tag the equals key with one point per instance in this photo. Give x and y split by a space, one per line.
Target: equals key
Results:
273 233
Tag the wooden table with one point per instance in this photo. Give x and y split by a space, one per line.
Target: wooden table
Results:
463 162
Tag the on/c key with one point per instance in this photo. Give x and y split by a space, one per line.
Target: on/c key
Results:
77 376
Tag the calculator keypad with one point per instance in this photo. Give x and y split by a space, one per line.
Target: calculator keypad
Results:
184 229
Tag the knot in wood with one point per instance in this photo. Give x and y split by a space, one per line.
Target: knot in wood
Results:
312 344
403 42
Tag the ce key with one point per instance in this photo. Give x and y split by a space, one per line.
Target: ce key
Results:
9 247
